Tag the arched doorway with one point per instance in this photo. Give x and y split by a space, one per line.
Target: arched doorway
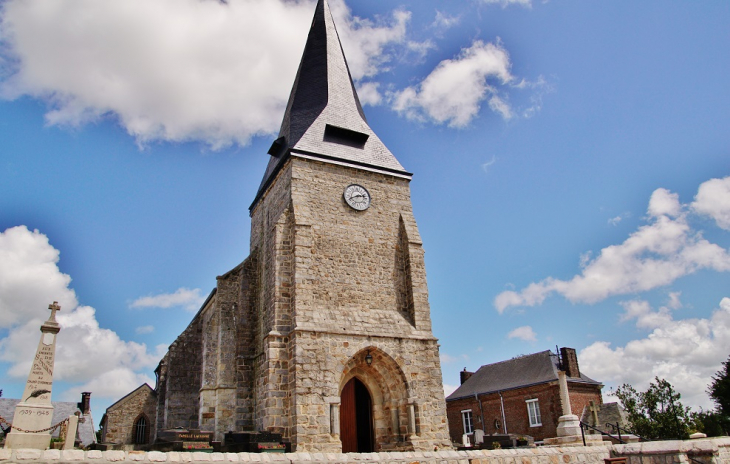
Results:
356 418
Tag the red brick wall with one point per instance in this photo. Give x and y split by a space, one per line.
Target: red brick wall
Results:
515 409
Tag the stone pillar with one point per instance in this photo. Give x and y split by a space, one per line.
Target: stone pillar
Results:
73 425
411 417
395 420
335 418
568 424
568 432
35 412
564 395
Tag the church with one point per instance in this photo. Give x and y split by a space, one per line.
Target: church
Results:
323 334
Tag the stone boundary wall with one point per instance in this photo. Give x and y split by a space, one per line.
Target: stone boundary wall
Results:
575 455
705 451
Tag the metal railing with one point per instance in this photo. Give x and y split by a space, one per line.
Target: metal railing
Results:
616 428
617 437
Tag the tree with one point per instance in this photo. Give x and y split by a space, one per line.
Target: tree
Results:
657 413
719 389
710 423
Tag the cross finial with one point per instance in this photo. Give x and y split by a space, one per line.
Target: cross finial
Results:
53 307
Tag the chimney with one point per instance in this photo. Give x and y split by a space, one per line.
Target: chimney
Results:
85 404
464 376
569 362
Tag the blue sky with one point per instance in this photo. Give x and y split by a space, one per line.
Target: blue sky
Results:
571 161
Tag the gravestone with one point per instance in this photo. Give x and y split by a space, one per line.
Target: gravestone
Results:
33 415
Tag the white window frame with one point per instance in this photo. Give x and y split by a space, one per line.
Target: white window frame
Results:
466 413
533 412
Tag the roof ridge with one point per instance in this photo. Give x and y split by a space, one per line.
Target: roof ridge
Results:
514 358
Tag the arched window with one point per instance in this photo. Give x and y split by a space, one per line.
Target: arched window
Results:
141 430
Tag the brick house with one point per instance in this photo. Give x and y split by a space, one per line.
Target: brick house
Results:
520 396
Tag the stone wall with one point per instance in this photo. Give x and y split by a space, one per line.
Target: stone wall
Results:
122 415
515 409
705 451
179 379
579 455
357 263
336 283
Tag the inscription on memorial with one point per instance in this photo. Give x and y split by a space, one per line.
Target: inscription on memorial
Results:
34 413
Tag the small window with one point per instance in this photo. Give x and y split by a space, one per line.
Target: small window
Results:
466 419
533 411
141 431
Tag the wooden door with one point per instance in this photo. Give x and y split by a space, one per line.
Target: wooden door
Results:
356 423
348 421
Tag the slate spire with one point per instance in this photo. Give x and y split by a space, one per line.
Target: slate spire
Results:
324 119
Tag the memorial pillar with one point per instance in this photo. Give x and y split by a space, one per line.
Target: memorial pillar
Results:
34 413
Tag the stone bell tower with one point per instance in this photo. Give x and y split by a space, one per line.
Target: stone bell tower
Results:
348 357
323 333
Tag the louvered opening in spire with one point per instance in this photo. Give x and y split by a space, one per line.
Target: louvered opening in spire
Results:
324 118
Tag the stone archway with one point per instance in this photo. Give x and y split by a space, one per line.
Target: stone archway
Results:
387 391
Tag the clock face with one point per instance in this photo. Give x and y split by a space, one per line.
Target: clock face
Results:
357 197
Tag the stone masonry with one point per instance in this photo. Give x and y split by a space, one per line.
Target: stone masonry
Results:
706 451
328 293
122 415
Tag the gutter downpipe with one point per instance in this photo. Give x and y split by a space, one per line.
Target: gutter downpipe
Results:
481 411
504 419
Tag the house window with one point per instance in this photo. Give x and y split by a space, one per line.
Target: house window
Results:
466 419
533 411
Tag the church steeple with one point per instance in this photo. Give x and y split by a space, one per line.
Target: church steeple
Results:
324 119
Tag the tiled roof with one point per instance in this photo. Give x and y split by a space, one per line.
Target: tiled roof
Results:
324 119
523 371
61 411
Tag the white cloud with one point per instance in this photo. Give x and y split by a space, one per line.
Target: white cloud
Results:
85 352
190 299
420 49
443 21
614 221
685 352
145 329
369 94
664 203
453 92
713 199
488 164
174 70
448 359
655 255
114 384
449 389
29 277
506 3
363 40
523 333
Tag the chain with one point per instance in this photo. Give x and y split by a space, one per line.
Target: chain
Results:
51 428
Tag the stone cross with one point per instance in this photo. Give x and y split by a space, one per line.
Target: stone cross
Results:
53 307
594 412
